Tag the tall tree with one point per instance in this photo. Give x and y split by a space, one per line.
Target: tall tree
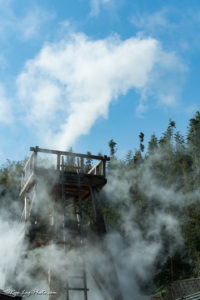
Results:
153 144
193 139
141 137
193 136
167 137
179 142
112 145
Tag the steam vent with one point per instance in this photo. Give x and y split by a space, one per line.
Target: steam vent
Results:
61 207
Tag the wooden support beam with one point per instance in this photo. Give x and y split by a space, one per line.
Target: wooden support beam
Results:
58 162
82 164
99 220
104 168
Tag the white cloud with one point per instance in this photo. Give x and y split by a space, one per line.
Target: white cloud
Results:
96 5
29 26
25 26
191 109
176 26
155 21
6 115
70 84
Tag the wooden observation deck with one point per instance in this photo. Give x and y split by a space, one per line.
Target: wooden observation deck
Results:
67 180
93 177
61 205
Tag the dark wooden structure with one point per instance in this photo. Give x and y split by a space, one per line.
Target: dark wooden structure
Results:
68 188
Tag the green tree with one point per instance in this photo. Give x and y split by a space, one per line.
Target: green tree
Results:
193 136
112 145
88 163
167 137
141 137
179 142
153 144
70 162
10 185
129 157
193 140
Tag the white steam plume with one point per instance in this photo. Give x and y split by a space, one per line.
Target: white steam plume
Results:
71 83
153 238
136 253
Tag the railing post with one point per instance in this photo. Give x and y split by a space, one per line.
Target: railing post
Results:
97 170
82 164
78 165
35 158
104 168
58 162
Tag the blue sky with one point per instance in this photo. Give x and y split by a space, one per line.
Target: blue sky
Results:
78 73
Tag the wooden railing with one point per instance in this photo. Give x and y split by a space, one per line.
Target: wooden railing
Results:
98 169
78 166
63 164
28 170
60 164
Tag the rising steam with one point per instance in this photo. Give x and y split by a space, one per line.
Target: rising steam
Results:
70 84
136 253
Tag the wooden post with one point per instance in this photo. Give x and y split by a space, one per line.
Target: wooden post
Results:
67 290
63 201
104 168
85 285
101 227
82 165
94 204
58 162
35 158
97 170
78 165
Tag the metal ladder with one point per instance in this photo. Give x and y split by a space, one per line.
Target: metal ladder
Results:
82 289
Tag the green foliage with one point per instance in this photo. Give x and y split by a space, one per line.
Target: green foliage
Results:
88 163
194 134
129 157
141 137
10 183
112 145
10 173
176 165
153 144
70 162
167 138
179 142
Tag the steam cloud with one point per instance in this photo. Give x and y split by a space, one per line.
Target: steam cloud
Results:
70 84
136 253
